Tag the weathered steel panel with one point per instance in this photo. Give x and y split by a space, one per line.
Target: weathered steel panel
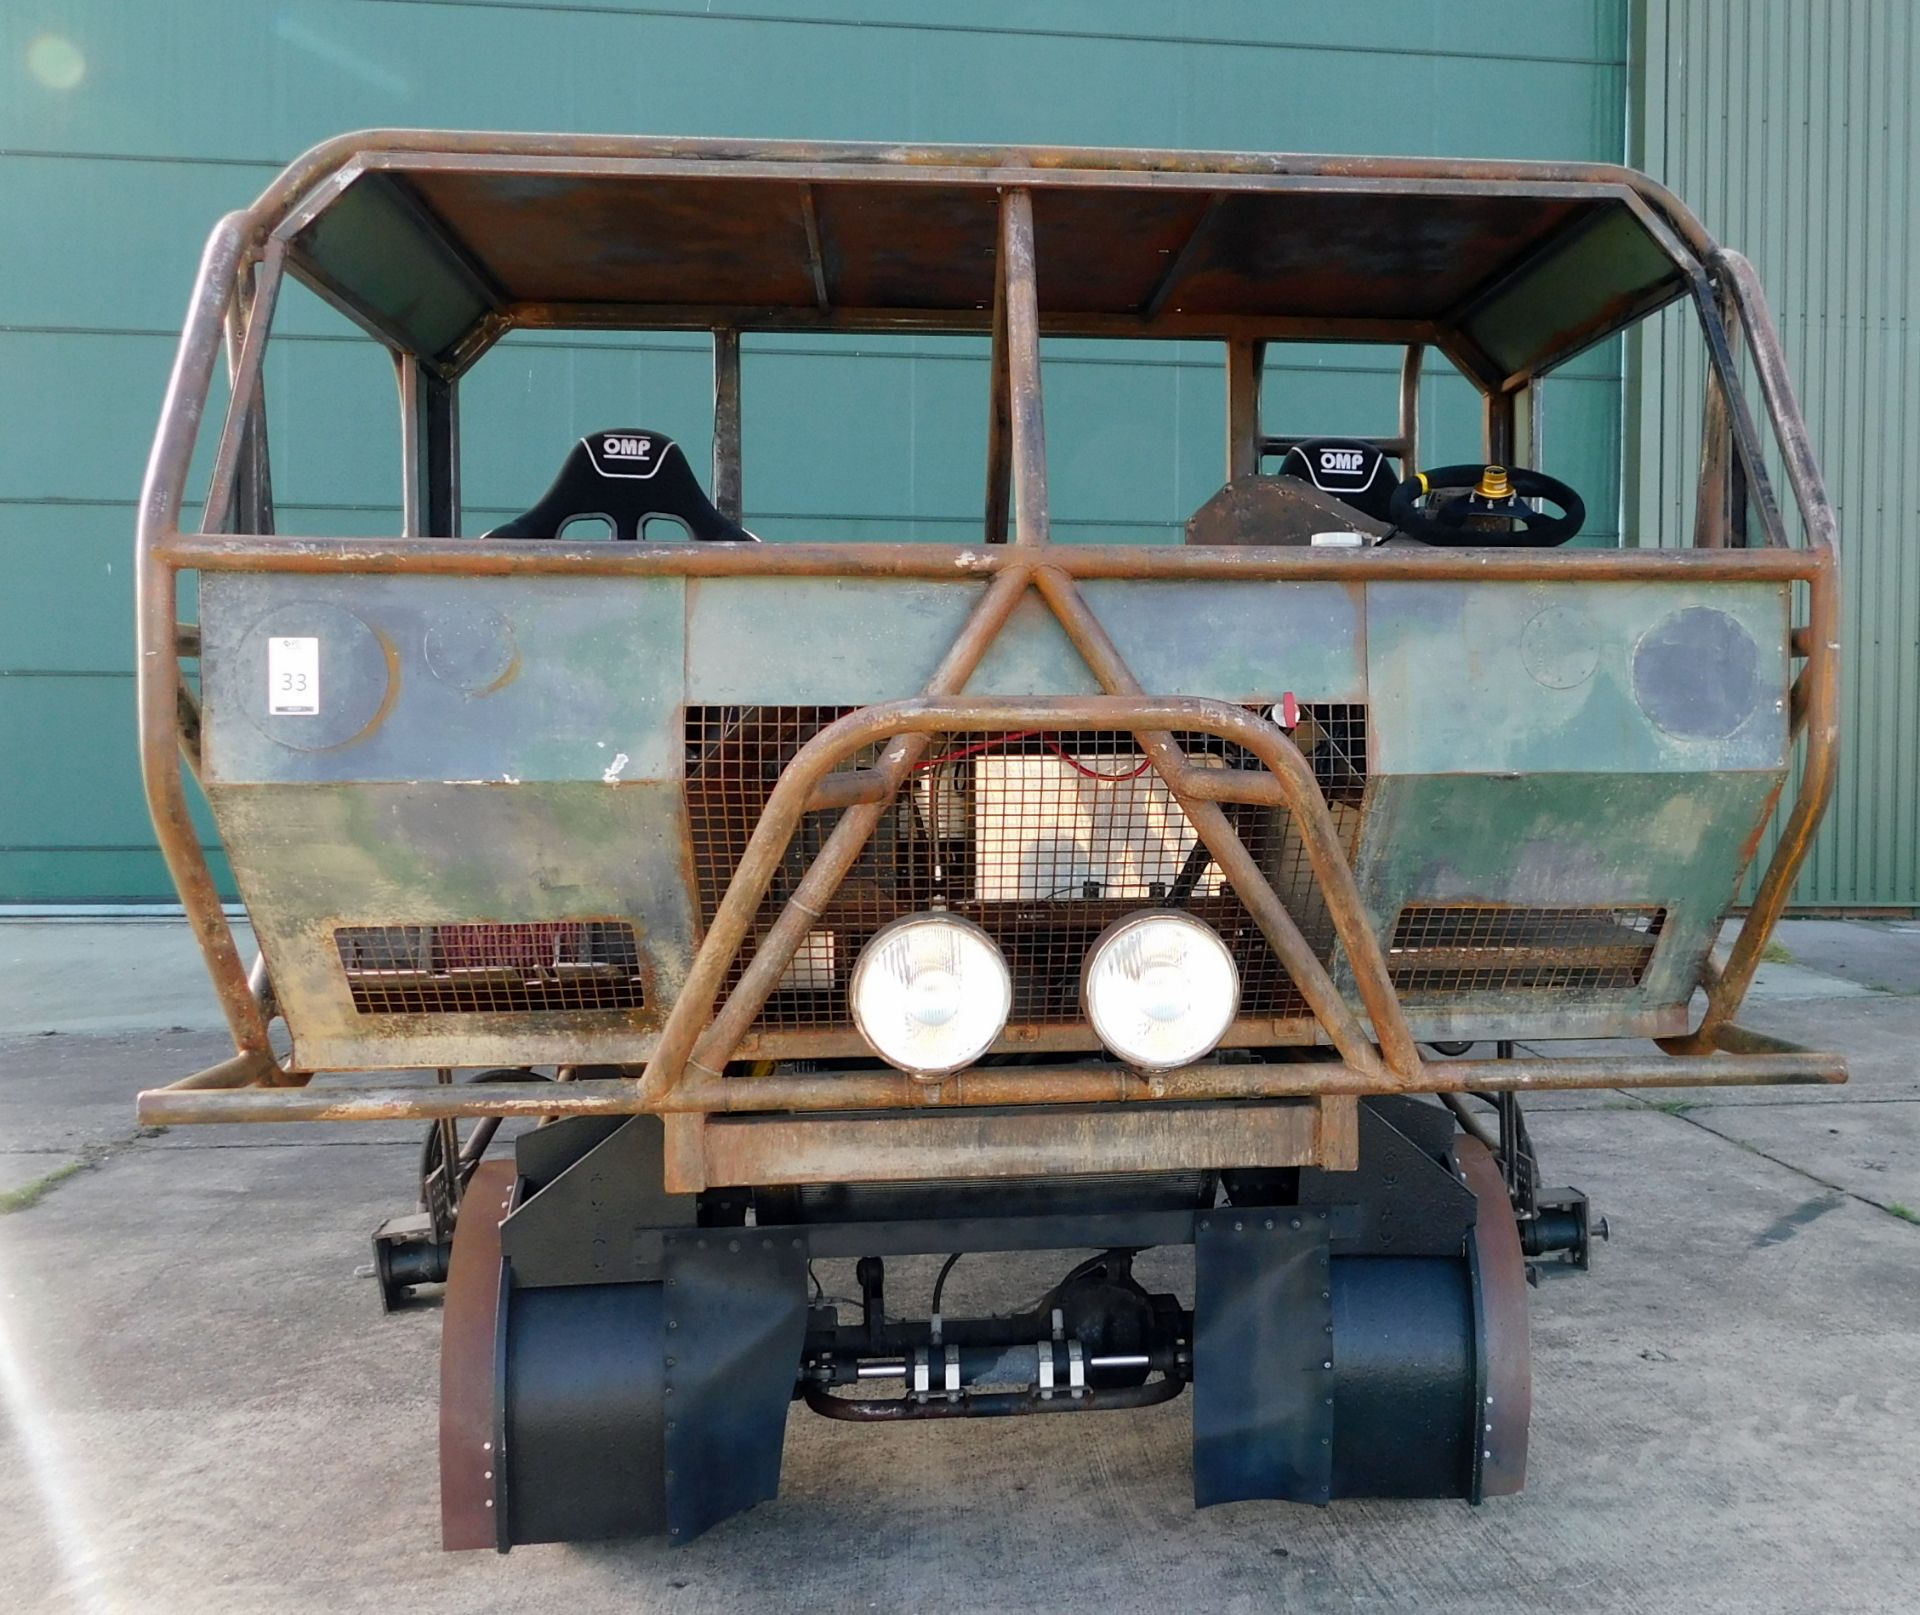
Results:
1121 249
501 684
1665 840
847 642
996 1144
453 679
313 857
1568 678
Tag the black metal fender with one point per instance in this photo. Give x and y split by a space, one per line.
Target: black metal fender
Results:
655 1400
1329 1364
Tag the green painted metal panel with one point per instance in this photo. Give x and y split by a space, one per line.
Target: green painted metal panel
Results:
413 285
110 180
1672 841
490 751
1792 130
1613 258
1566 678
848 642
311 858
455 679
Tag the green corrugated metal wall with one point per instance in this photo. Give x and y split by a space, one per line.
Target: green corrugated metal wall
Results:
126 130
1791 130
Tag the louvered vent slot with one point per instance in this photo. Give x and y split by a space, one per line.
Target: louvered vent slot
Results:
1443 949
542 967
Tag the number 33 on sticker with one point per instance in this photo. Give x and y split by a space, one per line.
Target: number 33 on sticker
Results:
293 677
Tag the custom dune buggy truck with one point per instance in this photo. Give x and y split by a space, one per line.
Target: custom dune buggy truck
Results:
836 900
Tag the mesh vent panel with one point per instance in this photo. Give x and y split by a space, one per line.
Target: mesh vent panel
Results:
512 969
1444 949
1044 839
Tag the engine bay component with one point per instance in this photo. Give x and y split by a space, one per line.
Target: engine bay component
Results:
1161 989
931 993
1073 824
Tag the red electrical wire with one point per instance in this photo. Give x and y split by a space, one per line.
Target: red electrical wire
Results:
978 746
1079 767
1049 742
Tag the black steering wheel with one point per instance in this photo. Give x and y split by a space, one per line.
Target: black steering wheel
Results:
1491 511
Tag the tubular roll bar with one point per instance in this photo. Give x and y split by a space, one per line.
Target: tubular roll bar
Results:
232 304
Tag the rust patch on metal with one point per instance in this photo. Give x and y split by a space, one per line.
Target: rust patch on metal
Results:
891 1149
392 694
511 673
1275 510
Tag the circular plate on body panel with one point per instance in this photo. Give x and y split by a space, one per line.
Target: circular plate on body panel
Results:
1558 648
1696 674
315 676
471 648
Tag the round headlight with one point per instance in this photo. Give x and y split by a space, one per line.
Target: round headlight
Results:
930 993
1161 989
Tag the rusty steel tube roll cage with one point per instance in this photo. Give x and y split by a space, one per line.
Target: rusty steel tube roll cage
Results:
1814 701
232 304
162 696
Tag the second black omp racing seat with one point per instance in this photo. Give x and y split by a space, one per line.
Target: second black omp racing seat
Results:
1353 470
626 478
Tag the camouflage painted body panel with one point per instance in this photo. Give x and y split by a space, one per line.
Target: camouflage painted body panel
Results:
1571 678
849 642
446 679
311 858
510 751
1671 841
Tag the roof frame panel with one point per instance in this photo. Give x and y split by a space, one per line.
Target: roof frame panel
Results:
440 243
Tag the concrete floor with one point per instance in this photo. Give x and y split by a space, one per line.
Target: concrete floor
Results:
201 1408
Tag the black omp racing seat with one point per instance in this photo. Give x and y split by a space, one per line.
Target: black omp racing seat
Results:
1353 470
626 478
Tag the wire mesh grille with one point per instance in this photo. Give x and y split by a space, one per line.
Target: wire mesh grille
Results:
544 966
1441 948
1042 838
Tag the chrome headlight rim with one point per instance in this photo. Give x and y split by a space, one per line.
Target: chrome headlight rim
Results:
1116 933
1001 975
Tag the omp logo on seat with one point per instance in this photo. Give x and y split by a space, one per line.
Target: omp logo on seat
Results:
627 454
1339 468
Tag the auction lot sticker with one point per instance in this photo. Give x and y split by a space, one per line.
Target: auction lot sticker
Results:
293 677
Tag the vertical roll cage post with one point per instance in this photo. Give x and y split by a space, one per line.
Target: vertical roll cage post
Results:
1249 445
231 310
1814 697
